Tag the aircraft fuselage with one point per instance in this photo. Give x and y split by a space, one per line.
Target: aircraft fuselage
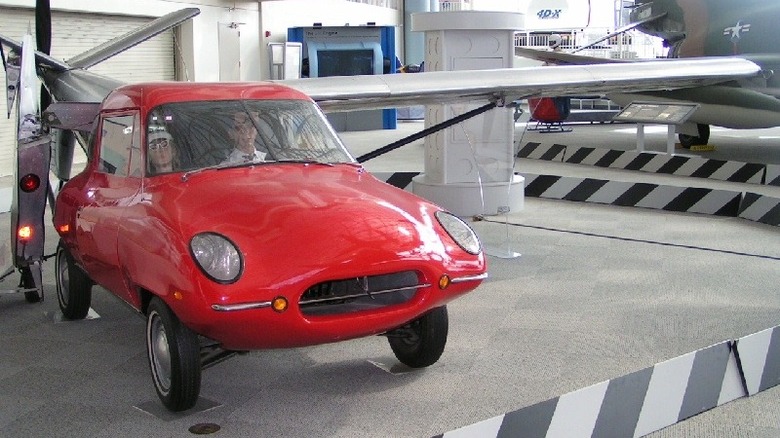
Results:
714 27
746 28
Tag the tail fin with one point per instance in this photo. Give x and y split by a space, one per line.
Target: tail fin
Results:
31 177
41 58
130 39
12 65
65 81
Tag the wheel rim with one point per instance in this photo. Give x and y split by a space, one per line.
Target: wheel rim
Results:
63 288
412 338
408 337
160 354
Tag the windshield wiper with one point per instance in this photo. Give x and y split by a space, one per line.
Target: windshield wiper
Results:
186 175
221 166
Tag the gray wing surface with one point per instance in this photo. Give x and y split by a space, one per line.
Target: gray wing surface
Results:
565 58
347 93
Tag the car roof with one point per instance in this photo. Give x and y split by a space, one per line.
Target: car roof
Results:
152 94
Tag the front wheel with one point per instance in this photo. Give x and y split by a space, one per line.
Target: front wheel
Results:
421 342
174 357
74 287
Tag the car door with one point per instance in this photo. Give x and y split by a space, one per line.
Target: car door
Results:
112 187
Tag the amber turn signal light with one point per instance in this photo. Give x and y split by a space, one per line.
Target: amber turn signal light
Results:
279 304
444 282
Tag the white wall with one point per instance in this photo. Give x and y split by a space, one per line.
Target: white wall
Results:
205 59
499 5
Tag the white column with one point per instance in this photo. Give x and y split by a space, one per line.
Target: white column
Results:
469 168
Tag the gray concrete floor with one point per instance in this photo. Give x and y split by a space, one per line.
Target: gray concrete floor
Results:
599 292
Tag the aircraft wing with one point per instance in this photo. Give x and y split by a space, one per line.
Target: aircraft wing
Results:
565 58
347 93
121 43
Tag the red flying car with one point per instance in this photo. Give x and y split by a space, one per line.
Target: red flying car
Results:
233 217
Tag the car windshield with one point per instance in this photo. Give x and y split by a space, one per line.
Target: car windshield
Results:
187 136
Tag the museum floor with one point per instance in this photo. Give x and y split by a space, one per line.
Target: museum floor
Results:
597 292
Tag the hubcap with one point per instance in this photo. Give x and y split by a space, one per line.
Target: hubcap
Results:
161 355
63 291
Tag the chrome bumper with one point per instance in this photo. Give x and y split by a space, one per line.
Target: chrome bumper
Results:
469 278
264 304
242 306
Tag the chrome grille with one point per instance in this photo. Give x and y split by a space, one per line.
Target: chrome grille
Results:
360 293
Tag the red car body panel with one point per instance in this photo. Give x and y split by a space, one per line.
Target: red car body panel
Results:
296 225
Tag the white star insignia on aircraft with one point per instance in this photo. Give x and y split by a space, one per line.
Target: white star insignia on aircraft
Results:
736 31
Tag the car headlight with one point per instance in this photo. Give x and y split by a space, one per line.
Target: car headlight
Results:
460 232
217 256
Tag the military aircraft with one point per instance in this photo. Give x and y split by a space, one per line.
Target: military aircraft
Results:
165 241
693 29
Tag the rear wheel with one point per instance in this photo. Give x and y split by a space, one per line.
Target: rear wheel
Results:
74 287
174 357
421 342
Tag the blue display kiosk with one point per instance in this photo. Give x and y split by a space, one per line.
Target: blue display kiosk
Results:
349 51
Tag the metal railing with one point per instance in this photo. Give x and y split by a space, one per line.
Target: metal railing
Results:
454 5
630 45
392 4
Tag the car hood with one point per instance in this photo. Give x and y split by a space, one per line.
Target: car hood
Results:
311 216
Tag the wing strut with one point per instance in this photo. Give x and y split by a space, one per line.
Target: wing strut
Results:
426 132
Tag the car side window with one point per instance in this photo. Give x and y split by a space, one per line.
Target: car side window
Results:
119 142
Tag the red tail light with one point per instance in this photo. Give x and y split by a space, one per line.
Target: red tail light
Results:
29 183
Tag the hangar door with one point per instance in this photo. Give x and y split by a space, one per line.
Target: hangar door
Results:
72 34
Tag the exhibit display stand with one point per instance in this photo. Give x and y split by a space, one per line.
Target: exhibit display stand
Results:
469 167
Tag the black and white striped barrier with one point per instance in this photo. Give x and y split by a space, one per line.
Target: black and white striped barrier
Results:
647 400
759 355
670 198
748 206
537 151
759 208
695 167
773 174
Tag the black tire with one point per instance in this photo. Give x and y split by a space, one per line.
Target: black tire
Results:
421 342
686 140
704 133
27 282
174 358
691 140
74 287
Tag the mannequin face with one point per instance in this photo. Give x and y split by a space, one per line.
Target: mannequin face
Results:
161 155
244 132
